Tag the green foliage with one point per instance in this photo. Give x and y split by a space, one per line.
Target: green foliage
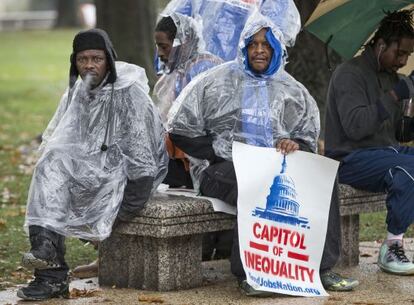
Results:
33 75
373 227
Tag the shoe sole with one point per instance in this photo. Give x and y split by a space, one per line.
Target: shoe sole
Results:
383 268
63 294
260 294
347 288
31 262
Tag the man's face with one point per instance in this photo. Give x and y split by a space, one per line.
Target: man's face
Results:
395 56
164 45
92 66
259 52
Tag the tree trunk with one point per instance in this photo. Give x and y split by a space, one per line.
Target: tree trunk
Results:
67 14
130 25
311 63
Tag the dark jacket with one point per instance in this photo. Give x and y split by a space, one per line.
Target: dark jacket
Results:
360 111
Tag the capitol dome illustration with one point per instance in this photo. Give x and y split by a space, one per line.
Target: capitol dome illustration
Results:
281 203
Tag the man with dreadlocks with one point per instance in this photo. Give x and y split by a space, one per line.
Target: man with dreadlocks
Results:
364 112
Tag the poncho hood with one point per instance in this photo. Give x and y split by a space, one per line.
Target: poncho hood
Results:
223 20
130 74
188 41
187 59
77 186
228 103
274 36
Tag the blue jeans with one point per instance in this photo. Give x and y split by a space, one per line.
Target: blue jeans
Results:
384 169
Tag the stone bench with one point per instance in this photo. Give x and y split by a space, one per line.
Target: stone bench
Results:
353 202
161 249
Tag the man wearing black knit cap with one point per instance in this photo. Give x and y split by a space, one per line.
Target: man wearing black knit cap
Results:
95 45
102 155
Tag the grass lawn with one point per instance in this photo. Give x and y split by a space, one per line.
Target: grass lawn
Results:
33 75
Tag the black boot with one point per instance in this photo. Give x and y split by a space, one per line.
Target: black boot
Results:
40 289
43 252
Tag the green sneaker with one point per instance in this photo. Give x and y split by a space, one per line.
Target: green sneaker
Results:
392 259
251 292
334 282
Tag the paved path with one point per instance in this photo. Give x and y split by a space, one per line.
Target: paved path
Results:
219 287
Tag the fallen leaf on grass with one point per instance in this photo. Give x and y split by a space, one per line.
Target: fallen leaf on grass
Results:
24 136
17 275
83 293
5 195
8 178
7 147
5 284
3 224
12 213
150 299
15 157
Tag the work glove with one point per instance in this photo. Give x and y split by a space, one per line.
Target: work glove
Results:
404 88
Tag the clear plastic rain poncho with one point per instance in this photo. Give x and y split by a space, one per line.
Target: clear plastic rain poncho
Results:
224 20
77 188
187 59
230 103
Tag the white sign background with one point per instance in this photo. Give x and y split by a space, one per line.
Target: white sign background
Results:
313 176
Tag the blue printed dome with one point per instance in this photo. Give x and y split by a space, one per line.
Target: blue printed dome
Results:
282 197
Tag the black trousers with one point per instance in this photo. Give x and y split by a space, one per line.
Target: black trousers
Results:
216 245
219 181
37 236
177 176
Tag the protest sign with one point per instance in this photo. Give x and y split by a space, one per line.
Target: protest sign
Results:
283 207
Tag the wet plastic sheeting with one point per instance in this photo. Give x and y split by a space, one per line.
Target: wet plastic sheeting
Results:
187 59
77 188
223 20
227 98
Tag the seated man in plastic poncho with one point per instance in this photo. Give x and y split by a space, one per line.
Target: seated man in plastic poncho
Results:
223 21
254 100
181 48
102 155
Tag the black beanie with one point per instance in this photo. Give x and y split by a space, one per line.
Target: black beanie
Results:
93 39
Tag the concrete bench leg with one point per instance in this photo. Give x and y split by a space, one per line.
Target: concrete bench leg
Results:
350 240
150 263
